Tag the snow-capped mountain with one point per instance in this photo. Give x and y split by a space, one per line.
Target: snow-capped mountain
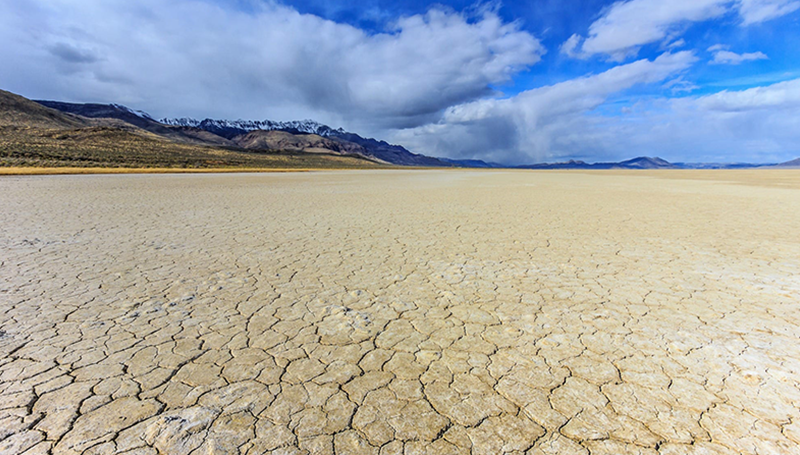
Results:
141 114
244 133
233 129
243 126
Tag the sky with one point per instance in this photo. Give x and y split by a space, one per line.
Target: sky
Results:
510 82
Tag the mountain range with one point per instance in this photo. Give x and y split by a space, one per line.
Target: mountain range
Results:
56 132
305 136
35 135
642 162
793 163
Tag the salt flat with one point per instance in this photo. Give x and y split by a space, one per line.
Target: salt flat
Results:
393 312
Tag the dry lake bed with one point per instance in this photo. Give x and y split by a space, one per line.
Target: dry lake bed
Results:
389 312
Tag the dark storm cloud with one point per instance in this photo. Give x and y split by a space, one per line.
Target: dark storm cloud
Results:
71 54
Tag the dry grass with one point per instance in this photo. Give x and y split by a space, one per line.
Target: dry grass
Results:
107 147
138 170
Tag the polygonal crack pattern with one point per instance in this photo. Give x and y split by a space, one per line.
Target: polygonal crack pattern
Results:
445 312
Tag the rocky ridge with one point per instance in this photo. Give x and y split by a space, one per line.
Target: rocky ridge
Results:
232 128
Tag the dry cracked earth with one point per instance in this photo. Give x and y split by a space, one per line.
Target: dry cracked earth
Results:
389 312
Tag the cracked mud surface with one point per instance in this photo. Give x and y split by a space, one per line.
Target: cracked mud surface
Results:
399 312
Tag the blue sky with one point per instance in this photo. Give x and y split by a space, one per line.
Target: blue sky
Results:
554 21
511 82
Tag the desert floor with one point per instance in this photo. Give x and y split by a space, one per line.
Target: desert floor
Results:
393 312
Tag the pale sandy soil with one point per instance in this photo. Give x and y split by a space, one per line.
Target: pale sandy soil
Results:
401 312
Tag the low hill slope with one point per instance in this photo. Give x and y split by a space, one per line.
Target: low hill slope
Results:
793 163
139 120
21 112
102 146
390 153
310 143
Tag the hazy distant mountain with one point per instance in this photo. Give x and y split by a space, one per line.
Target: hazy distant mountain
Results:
472 163
793 163
720 165
645 162
642 162
394 154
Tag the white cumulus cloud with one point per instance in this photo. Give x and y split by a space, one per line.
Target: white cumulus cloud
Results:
760 124
779 96
755 11
571 45
537 124
726 57
628 25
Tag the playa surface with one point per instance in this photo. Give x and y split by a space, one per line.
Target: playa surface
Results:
388 312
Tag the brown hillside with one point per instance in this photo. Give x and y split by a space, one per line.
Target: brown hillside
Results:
116 147
309 143
21 112
198 136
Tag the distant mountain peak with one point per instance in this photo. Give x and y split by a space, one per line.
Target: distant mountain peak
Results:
792 163
245 126
647 162
641 162
141 114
